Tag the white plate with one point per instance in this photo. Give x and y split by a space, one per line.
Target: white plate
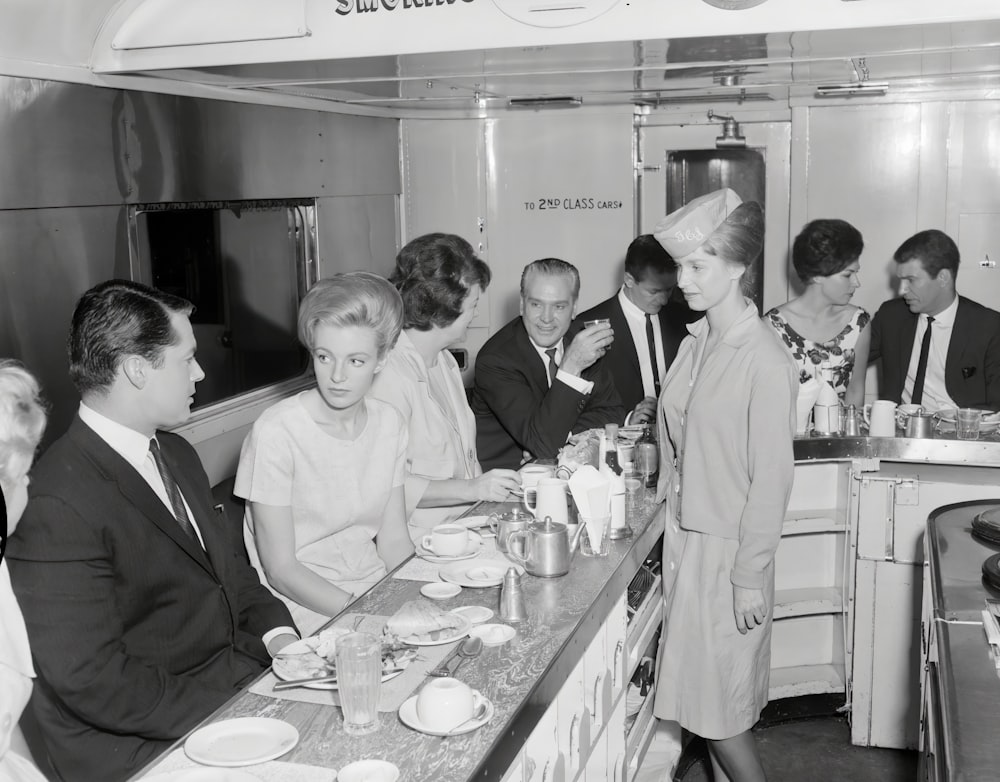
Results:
204 775
298 647
241 742
475 545
480 573
949 413
408 716
446 637
985 427
439 590
475 614
493 635
368 771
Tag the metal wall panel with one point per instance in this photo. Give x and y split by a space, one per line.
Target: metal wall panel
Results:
61 144
189 149
48 257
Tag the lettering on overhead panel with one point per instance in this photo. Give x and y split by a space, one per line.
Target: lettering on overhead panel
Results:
571 204
344 7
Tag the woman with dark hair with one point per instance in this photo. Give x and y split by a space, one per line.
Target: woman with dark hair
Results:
727 420
827 335
22 420
440 279
322 471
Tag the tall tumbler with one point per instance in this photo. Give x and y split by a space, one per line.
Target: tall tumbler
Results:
359 676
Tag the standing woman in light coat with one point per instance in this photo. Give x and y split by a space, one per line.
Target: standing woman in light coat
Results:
727 420
440 279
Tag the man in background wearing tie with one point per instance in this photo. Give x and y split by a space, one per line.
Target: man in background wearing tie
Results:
538 380
936 348
143 613
648 326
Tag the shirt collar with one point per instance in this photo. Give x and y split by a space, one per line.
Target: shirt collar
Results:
738 331
541 351
946 317
628 306
131 445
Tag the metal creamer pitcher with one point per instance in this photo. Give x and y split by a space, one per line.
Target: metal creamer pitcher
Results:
544 548
504 525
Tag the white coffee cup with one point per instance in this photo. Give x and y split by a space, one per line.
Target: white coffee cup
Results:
531 474
881 418
444 704
447 540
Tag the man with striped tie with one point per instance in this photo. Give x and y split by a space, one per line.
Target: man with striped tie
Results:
538 380
143 613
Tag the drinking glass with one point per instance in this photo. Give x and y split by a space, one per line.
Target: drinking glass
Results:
967 423
594 536
634 495
359 676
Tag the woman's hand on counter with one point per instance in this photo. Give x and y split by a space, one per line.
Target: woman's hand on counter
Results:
749 608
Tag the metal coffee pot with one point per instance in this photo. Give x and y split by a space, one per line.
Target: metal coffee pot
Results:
504 525
920 425
544 548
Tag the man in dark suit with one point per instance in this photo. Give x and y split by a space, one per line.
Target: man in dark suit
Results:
640 313
537 380
143 613
936 348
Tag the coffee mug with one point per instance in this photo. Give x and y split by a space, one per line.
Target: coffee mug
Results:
550 500
447 540
444 704
881 418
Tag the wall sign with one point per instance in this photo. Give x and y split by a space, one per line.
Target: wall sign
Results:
345 7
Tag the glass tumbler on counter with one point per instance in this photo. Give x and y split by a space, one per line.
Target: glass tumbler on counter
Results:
967 423
594 535
634 496
359 676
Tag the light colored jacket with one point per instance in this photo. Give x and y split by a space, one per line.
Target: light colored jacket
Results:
726 433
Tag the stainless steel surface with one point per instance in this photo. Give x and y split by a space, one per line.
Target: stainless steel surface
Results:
967 680
920 425
512 597
941 448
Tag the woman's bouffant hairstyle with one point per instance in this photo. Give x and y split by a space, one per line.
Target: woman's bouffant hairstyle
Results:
22 421
117 319
739 239
353 299
434 274
825 247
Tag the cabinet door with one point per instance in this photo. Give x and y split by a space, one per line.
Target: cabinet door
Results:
597 765
516 771
542 759
573 727
597 681
616 632
615 731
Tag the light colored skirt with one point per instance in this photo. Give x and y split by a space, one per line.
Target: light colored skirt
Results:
710 678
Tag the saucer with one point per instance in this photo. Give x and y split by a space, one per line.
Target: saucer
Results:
493 634
481 573
408 716
475 614
369 771
472 549
440 590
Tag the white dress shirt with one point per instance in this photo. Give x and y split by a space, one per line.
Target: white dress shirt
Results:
133 447
636 319
573 381
935 395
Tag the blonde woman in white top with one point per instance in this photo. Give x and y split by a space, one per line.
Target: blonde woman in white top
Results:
22 420
322 472
440 279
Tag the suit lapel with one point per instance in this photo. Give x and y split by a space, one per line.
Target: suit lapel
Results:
953 359
535 370
624 334
139 493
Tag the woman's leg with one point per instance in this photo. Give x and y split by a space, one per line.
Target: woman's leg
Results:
736 759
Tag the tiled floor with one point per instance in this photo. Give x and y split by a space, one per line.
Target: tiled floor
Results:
815 749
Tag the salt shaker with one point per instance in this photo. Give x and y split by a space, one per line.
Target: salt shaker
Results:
511 599
851 427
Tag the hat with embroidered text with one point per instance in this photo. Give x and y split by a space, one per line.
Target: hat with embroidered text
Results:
687 228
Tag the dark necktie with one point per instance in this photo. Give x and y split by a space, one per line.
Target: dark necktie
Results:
173 491
652 354
918 381
553 366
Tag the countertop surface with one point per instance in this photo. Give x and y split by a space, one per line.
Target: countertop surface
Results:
516 677
967 676
943 448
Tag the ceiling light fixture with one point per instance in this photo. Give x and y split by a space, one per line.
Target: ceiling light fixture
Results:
562 102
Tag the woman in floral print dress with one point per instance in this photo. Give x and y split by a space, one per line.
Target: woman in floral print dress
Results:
826 335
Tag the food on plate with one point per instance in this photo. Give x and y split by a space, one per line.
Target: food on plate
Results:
422 620
581 449
316 656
